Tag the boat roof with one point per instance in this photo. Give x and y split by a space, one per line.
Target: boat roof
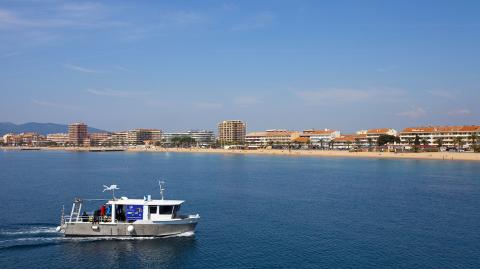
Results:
126 201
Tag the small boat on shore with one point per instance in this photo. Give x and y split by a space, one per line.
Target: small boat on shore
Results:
126 217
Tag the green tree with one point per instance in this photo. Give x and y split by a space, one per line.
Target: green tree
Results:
370 142
416 143
424 141
439 142
458 142
384 139
473 138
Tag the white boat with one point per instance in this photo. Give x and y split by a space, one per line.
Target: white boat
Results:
126 217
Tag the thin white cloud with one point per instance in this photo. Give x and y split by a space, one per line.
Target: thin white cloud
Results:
82 69
459 112
115 93
259 21
121 68
10 54
53 105
208 105
85 15
442 93
413 113
339 95
246 100
183 17
386 69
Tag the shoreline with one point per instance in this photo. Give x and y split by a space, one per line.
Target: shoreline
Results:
446 156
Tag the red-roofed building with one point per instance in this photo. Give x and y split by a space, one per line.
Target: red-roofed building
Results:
447 134
270 138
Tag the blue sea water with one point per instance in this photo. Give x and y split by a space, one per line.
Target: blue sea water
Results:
257 211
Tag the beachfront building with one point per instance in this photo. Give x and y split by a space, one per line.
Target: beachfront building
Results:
11 139
270 138
138 136
117 139
23 139
447 136
77 134
349 141
60 139
320 138
201 137
232 132
99 139
32 139
374 134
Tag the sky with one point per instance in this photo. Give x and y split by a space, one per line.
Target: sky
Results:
179 65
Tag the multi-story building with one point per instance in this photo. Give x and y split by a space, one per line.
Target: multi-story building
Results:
59 138
270 138
372 135
138 136
32 138
320 138
448 135
99 139
232 131
201 137
11 139
117 139
77 133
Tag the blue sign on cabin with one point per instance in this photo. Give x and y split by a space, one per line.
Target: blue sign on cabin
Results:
134 212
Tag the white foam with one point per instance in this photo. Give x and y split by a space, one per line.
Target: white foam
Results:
30 230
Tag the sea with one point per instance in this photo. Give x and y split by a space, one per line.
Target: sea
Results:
256 211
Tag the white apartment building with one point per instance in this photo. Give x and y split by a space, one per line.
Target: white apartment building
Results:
320 138
446 134
270 138
202 137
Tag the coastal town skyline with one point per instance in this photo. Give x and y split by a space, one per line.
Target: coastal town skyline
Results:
296 65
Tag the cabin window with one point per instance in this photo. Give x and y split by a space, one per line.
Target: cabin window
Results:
166 210
152 209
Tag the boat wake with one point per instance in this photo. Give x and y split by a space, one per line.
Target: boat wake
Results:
38 236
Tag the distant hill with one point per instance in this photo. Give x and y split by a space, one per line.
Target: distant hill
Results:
41 128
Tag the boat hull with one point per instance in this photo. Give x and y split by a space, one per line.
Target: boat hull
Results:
82 229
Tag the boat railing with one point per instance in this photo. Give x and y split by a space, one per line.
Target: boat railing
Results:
99 219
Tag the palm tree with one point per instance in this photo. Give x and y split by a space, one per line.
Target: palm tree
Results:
369 140
348 144
458 141
424 141
439 142
473 137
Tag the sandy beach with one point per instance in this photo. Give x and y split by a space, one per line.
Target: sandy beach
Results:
465 156
456 156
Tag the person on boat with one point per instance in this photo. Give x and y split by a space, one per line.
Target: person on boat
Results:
84 216
102 212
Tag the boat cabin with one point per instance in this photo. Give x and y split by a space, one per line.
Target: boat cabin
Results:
125 210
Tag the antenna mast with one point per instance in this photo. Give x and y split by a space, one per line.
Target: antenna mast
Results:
162 187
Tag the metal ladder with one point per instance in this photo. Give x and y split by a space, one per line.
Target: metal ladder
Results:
76 209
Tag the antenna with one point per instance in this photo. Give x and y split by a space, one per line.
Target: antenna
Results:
111 188
162 187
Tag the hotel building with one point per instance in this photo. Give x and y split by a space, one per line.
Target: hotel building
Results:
232 131
270 138
138 136
117 139
320 138
60 138
201 137
100 139
77 133
447 134
369 138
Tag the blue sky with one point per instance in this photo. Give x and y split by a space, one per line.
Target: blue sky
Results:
178 65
